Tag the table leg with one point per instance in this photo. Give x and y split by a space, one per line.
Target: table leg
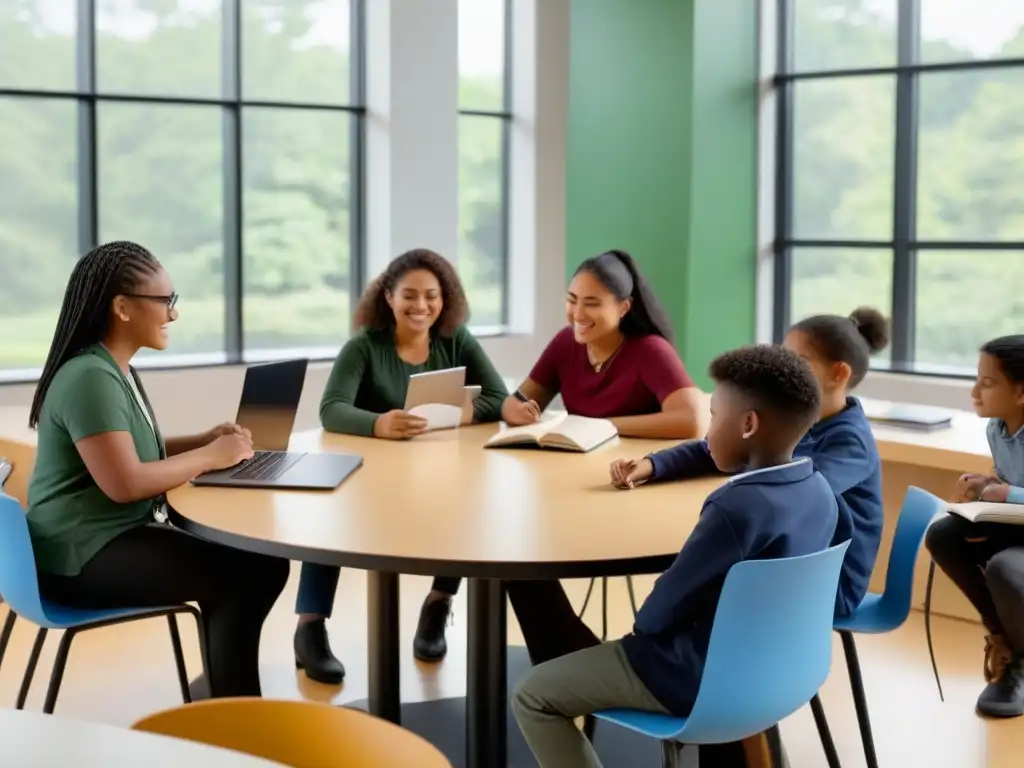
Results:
384 665
486 683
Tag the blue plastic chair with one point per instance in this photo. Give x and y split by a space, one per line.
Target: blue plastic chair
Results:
19 585
880 613
770 652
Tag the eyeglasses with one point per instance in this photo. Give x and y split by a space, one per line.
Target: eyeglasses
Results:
170 301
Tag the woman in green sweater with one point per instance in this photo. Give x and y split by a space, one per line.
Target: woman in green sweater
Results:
411 319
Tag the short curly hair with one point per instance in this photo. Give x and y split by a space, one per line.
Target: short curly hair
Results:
373 311
773 378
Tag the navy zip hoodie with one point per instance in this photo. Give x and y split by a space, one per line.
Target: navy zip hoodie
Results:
843 449
782 511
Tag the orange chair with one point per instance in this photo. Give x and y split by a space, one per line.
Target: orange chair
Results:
301 734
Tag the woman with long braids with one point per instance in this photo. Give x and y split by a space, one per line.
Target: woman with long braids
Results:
96 510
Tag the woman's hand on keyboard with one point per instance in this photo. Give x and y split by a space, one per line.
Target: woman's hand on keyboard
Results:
228 450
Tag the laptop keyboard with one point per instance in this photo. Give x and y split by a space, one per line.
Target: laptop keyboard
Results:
266 465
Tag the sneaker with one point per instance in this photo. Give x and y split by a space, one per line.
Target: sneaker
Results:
1004 694
313 653
430 643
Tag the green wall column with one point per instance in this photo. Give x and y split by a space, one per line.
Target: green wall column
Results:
662 157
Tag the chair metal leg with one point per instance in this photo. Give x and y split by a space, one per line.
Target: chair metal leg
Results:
179 659
59 663
586 599
671 754
825 733
30 668
632 595
859 699
5 635
604 608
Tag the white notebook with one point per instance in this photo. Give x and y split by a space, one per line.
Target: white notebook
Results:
989 512
562 432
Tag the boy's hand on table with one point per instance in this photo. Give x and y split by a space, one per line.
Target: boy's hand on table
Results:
629 473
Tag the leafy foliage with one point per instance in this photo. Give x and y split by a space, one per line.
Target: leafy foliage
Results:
161 168
970 164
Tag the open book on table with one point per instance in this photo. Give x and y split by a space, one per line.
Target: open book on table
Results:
989 512
562 432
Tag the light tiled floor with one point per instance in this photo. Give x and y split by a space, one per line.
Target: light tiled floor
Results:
118 674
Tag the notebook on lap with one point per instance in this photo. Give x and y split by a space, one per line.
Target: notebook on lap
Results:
269 403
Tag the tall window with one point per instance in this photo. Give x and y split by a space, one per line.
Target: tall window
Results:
901 170
484 118
221 134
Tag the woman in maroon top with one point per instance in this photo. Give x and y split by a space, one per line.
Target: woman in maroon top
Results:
615 361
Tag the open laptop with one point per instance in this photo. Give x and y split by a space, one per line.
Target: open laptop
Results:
270 400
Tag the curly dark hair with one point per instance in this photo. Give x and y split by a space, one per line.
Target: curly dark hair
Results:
373 311
773 378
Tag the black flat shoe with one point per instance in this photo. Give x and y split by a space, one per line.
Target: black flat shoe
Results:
313 654
1004 696
430 643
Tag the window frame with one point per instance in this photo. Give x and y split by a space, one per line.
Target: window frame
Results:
904 243
232 104
505 116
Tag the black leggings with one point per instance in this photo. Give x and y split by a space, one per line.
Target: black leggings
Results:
549 623
158 565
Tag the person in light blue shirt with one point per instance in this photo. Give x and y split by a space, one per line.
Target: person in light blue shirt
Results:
986 560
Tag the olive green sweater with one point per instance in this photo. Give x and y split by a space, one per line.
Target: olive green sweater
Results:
369 378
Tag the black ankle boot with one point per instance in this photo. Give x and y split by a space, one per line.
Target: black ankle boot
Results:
430 643
313 653
1004 696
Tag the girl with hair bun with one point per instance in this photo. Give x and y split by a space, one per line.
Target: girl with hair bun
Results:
841 445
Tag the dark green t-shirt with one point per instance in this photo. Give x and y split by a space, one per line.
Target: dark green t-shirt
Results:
369 378
69 517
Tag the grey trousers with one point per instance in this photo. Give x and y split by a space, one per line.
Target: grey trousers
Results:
553 694
986 561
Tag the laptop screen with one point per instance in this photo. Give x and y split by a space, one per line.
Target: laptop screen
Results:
270 400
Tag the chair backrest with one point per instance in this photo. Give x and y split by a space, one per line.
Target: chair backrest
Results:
918 511
771 644
19 580
301 734
23 456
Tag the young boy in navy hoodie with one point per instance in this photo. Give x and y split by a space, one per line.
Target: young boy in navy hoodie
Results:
765 399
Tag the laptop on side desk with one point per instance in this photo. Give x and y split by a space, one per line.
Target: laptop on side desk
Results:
270 401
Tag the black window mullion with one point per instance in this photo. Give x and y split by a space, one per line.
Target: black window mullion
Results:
231 86
905 183
88 190
783 255
356 153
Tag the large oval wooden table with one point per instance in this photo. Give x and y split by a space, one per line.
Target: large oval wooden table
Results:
32 739
442 504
